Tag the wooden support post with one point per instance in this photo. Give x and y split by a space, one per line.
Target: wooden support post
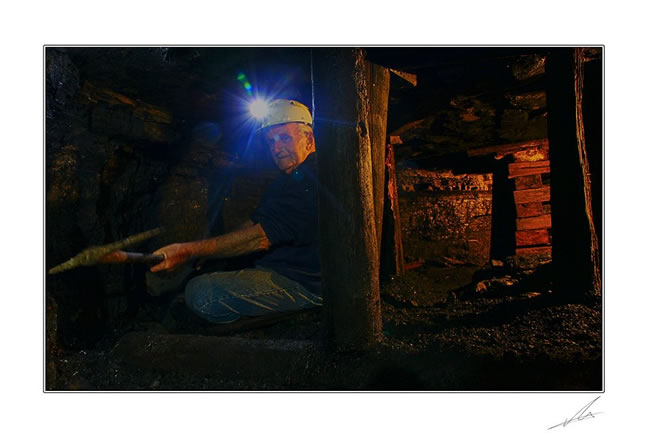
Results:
576 258
392 254
379 86
348 237
517 169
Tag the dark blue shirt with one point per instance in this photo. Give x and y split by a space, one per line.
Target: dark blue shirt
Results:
288 213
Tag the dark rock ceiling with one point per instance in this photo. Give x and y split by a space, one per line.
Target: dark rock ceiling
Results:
194 82
199 84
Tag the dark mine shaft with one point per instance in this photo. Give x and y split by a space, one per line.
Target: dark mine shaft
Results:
457 213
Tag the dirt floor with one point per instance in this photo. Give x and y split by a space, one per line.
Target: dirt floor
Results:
445 328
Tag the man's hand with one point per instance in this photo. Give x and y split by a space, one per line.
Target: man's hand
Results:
250 239
174 254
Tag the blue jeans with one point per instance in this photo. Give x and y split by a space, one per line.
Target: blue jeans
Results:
224 297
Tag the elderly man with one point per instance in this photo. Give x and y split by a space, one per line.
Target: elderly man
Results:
284 226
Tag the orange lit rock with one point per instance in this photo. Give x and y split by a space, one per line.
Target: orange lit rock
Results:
446 217
529 66
531 155
528 101
116 114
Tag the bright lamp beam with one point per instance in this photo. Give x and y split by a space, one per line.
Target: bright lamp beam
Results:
259 108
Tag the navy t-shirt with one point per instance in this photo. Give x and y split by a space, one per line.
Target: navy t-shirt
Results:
288 213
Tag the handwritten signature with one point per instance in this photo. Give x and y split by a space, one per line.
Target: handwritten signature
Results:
581 415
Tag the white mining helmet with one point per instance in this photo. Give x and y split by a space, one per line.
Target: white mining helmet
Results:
285 111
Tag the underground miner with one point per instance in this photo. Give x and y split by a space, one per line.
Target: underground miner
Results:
286 278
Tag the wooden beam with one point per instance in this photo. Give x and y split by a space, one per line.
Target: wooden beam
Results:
532 237
533 195
538 222
411 78
517 169
401 130
507 148
525 210
528 182
533 250
348 237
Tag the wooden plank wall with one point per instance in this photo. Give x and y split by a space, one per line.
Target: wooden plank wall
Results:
533 234
532 196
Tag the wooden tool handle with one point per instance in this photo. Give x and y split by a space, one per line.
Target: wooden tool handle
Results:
128 257
150 259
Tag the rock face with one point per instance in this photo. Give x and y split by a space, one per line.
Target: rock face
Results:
51 344
116 166
529 66
444 125
114 114
446 216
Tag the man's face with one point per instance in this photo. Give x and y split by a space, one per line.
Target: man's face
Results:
289 145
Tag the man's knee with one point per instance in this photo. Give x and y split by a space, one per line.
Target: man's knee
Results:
202 297
195 292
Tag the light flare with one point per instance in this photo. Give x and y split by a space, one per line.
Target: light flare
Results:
259 108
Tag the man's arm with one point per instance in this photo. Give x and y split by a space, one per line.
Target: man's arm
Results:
246 224
248 239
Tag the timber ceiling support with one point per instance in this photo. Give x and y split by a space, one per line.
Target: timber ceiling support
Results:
576 256
349 241
379 87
